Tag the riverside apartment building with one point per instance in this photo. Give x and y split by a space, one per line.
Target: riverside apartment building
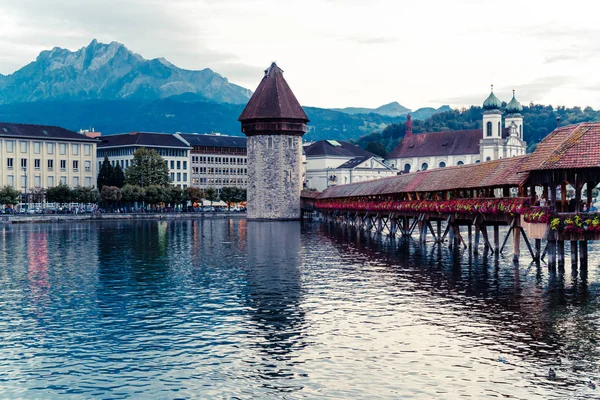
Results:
218 160
40 156
172 148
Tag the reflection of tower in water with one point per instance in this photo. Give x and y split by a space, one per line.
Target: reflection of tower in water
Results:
274 295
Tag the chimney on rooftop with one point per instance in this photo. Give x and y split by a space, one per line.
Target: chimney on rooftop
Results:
408 126
557 122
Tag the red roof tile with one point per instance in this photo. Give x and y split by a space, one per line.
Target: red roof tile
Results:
573 146
273 99
438 144
489 174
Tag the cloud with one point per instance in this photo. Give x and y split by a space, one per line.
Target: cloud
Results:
151 28
536 91
246 75
566 43
372 40
560 57
419 58
539 88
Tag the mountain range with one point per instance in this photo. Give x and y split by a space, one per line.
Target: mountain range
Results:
395 109
112 72
110 88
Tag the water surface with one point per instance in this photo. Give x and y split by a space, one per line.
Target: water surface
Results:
237 309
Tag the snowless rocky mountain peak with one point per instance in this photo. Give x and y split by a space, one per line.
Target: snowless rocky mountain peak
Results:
111 72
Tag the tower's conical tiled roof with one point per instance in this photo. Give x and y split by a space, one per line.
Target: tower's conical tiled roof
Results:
273 99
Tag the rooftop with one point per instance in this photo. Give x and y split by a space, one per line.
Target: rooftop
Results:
357 161
572 146
195 139
492 103
337 149
8 129
273 99
142 139
448 143
498 173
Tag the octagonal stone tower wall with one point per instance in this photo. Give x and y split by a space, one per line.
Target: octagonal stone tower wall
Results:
274 123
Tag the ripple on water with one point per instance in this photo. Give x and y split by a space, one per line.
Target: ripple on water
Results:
235 309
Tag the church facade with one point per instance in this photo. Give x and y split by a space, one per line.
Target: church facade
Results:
497 139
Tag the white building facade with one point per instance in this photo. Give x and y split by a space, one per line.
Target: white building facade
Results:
332 162
39 156
218 161
172 148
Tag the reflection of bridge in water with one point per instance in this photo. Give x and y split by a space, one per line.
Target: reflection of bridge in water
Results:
499 295
476 197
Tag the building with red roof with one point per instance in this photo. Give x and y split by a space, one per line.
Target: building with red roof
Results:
418 152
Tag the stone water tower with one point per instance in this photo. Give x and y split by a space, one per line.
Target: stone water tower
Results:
274 123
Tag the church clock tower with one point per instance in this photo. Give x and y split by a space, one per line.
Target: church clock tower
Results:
491 143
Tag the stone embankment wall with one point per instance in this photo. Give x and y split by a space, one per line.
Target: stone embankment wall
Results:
16 219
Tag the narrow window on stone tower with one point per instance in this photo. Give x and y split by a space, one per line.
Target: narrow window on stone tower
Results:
488 129
499 130
270 143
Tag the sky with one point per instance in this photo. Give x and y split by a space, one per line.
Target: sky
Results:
339 53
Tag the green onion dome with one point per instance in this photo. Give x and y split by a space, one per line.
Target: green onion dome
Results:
492 102
514 107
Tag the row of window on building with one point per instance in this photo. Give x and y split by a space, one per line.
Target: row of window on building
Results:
37 148
218 160
219 181
219 171
50 181
128 151
178 175
172 165
37 164
425 166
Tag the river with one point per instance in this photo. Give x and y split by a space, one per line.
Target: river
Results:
238 309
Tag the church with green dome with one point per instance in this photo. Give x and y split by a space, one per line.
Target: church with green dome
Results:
501 136
501 140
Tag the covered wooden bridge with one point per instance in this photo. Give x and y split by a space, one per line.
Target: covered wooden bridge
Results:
515 192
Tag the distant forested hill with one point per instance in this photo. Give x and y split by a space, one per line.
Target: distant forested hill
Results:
177 114
539 121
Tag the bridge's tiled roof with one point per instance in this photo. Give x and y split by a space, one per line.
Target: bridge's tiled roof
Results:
490 174
310 194
573 146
